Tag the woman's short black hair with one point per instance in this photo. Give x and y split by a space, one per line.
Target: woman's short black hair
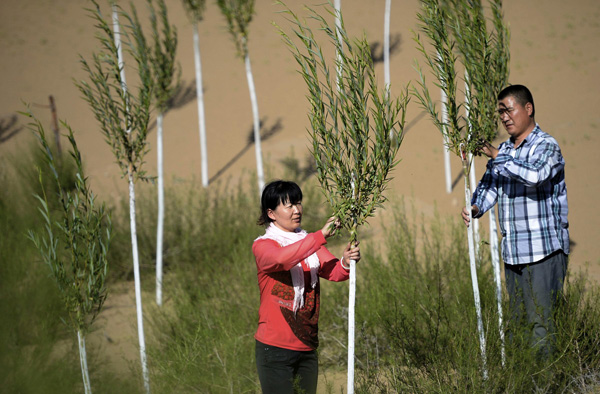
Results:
275 193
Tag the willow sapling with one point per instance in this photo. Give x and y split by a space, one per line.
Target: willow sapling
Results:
123 118
355 129
166 80
239 15
458 32
75 245
195 11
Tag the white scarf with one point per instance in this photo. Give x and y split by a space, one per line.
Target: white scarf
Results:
285 238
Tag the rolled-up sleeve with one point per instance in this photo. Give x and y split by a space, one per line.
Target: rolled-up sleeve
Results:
331 267
542 165
271 257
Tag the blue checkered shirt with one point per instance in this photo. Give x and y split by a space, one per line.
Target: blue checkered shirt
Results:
528 183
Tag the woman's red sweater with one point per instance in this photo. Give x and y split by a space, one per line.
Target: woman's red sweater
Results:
278 325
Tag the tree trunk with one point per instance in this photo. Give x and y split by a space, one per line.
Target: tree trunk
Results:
473 265
473 182
161 208
497 279
200 101
352 302
136 276
257 145
338 25
472 179
351 320
117 35
386 43
83 361
447 168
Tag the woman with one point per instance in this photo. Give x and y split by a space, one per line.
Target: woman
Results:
289 262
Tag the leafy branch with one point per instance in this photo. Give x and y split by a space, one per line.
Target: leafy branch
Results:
166 73
122 115
239 15
355 130
195 9
458 32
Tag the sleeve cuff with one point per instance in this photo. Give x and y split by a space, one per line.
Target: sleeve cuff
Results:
320 237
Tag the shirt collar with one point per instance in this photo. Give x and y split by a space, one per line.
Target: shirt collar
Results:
530 137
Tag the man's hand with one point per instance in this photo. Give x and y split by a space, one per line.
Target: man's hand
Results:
465 214
489 150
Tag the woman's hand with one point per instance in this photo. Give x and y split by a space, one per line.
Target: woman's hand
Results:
351 253
331 226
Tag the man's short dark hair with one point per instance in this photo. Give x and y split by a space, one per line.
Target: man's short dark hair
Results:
521 94
275 193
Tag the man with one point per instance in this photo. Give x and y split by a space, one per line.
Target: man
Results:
525 176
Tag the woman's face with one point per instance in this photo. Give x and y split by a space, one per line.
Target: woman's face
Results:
287 216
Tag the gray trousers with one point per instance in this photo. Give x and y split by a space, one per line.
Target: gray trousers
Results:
533 291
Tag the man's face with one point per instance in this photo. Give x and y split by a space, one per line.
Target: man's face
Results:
515 117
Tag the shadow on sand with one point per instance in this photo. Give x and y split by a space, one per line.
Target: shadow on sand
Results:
377 48
266 133
9 128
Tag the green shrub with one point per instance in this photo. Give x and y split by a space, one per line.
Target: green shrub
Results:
419 329
37 351
416 329
29 303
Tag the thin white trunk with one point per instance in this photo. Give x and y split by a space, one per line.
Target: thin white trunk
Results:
472 179
257 146
386 43
351 319
83 361
351 311
473 265
161 208
473 183
200 100
496 265
117 35
338 28
134 246
136 277
447 169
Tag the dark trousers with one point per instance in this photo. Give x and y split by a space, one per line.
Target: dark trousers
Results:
533 291
281 371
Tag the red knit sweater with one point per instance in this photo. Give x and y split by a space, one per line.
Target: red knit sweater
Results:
277 323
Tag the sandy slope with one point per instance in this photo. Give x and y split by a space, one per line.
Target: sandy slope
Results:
554 52
554 49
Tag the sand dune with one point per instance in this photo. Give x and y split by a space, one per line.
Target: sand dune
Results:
554 51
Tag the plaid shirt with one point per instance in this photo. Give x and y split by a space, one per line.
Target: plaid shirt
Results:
529 185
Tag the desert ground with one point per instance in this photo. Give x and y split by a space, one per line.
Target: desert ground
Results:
555 51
